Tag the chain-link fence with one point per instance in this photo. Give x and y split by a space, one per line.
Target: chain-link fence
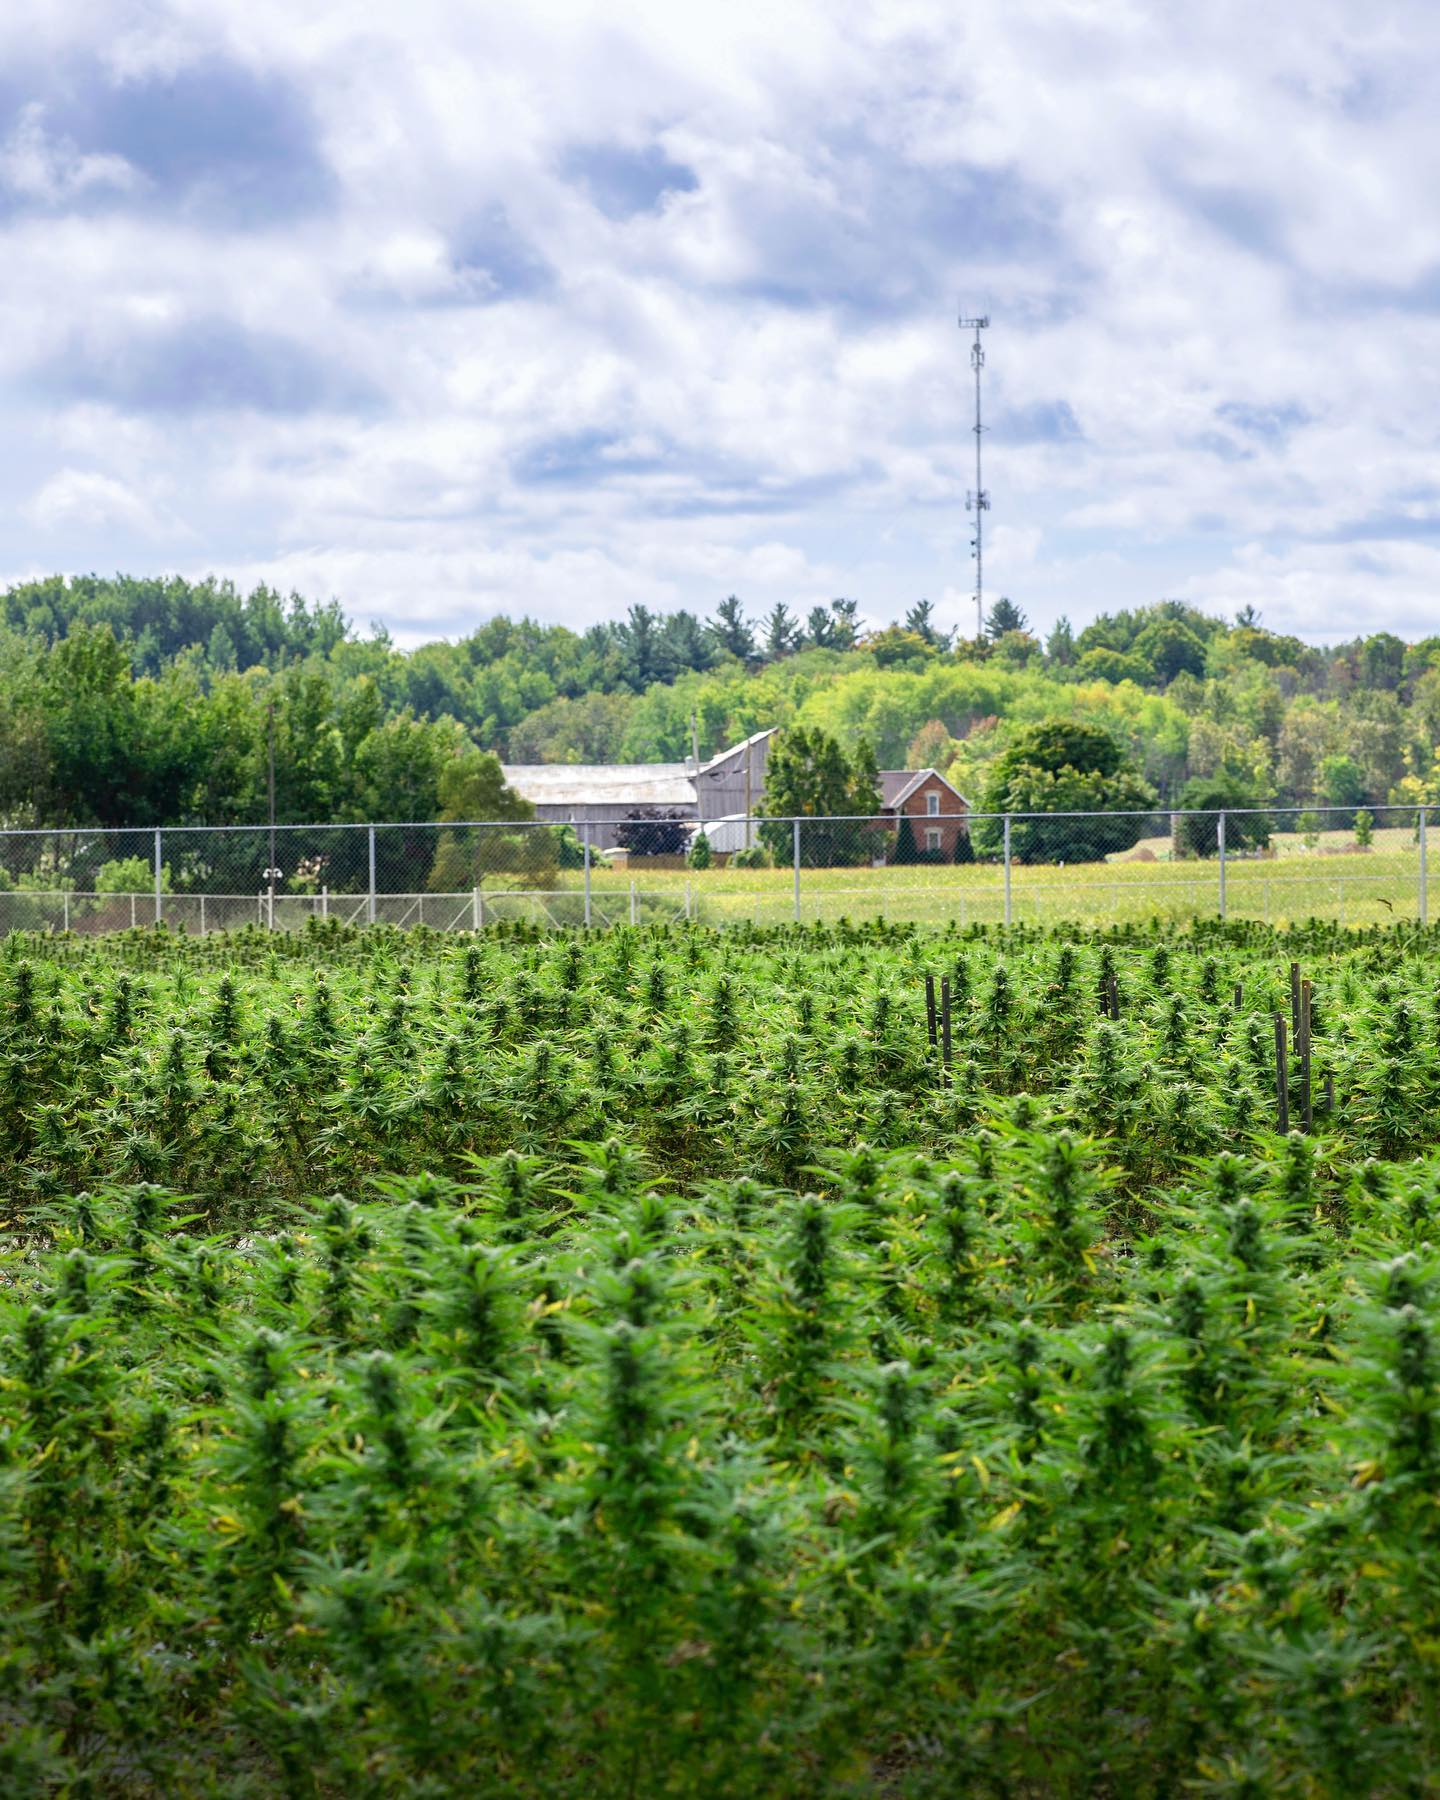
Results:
1352 865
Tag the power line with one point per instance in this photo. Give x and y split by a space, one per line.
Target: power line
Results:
978 501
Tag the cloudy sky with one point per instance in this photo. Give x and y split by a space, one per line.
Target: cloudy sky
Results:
454 306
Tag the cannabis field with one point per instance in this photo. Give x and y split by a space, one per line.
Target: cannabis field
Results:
639 1363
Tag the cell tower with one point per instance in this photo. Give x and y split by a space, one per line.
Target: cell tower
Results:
978 501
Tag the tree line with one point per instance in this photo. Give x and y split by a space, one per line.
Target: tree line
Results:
127 701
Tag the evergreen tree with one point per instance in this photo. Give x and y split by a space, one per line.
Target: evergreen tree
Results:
1060 645
905 847
731 630
921 620
847 624
1004 616
782 634
682 644
820 629
639 641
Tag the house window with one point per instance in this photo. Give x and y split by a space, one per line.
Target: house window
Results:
932 804
932 837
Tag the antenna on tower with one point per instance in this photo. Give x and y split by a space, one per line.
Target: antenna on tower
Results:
978 501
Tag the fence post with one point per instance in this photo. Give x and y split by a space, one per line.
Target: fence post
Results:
157 874
370 907
477 910
1007 868
270 907
586 829
795 839
202 915
324 902
1424 875
1220 840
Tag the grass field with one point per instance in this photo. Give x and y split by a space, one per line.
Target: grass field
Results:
1376 887
1299 881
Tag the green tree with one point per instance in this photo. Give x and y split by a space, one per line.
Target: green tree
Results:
473 792
820 628
921 620
1169 648
1099 664
640 647
1004 616
906 850
1058 766
895 647
1017 650
682 644
588 729
1060 645
809 776
700 853
1342 781
1204 798
782 634
847 624
731 630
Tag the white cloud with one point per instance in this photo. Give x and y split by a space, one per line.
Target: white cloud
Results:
1205 240
83 498
36 166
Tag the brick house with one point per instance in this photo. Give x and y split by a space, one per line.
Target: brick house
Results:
938 813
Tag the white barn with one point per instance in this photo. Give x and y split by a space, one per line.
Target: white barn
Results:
602 795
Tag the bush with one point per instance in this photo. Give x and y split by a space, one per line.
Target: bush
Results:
1204 798
130 875
1364 828
654 831
757 856
700 856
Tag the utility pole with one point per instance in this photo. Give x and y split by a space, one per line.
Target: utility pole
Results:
978 501
272 874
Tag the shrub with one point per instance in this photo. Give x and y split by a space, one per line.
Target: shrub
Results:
130 875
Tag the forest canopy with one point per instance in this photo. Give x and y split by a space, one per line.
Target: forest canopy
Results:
140 701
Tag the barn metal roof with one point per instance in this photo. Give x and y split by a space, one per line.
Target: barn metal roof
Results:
603 784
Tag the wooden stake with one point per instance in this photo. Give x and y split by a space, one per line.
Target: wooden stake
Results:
930 1008
1114 998
1306 1112
1329 1091
1239 996
945 1022
1282 1077
1295 1001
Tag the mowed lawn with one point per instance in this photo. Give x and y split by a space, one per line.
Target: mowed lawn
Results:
1376 886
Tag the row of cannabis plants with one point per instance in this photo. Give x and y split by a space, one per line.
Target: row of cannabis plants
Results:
938 1476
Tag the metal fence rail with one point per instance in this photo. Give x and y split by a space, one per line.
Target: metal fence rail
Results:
1355 866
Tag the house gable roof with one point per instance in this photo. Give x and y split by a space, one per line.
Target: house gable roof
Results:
897 785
